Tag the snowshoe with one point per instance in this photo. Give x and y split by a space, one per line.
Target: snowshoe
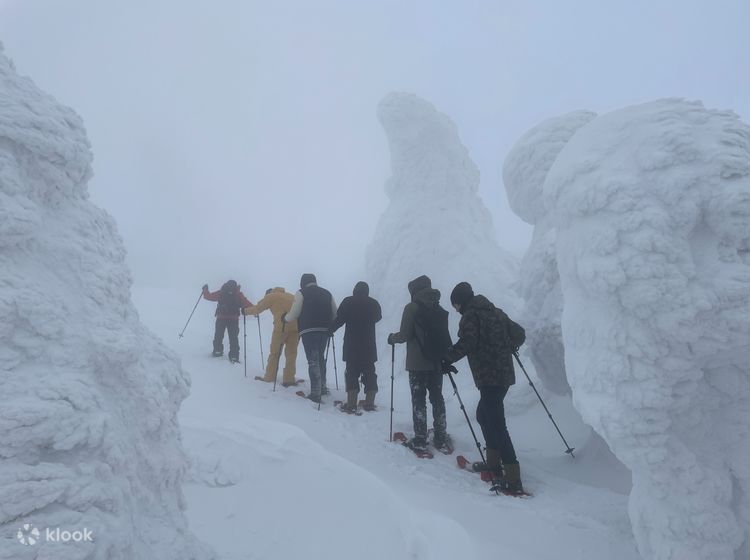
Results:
309 397
485 475
444 446
514 489
298 382
342 406
420 451
367 407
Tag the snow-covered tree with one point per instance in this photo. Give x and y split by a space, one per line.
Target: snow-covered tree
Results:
651 211
88 397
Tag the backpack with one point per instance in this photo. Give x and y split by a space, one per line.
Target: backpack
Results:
229 300
515 333
436 339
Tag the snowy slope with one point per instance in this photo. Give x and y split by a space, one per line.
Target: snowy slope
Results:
273 476
88 406
651 206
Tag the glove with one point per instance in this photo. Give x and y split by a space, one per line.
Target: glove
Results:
392 338
244 311
447 367
205 287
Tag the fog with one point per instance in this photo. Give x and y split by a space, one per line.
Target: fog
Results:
239 139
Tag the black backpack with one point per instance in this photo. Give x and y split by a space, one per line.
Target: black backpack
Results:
229 300
436 339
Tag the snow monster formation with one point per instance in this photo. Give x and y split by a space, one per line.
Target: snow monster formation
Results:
435 224
524 171
89 440
651 208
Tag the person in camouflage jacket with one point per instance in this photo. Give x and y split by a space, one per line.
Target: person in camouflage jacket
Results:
488 337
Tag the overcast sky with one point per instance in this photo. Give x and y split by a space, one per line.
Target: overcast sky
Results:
239 138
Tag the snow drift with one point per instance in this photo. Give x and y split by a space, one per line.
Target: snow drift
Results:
88 430
436 223
651 208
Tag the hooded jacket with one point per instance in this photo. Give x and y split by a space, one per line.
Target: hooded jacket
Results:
422 292
484 336
359 312
279 301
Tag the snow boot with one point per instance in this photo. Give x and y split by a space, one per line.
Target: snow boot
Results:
492 464
351 402
369 404
217 354
443 444
510 483
314 398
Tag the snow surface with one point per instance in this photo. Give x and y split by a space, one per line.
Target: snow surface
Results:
88 428
436 223
651 211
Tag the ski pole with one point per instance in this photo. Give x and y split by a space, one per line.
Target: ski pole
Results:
335 368
244 340
393 368
191 315
325 365
568 448
260 342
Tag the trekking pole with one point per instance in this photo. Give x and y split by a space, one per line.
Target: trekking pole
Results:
260 342
335 368
325 365
393 368
463 409
568 449
244 340
191 315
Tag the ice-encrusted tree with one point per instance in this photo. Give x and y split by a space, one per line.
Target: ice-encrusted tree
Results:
88 397
524 171
435 223
651 207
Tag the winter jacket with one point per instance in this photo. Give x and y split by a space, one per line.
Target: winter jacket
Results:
314 309
410 332
488 337
279 302
359 312
232 309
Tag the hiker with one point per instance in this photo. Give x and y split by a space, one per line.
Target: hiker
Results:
279 301
491 361
424 329
359 312
314 309
230 300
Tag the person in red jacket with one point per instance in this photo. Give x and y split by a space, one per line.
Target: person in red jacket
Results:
230 301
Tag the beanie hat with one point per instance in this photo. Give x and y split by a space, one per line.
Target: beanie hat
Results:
462 294
307 278
418 284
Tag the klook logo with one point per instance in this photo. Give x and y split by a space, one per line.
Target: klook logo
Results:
29 535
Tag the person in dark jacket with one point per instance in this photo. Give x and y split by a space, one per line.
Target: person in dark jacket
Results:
359 312
425 375
230 300
314 309
488 337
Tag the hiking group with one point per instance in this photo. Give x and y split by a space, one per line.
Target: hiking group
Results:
487 337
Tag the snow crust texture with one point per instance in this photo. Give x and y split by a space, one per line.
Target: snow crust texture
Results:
88 430
650 206
436 223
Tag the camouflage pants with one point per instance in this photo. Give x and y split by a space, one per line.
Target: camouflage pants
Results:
422 382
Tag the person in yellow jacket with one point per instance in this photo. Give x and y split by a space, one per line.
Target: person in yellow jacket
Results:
279 302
